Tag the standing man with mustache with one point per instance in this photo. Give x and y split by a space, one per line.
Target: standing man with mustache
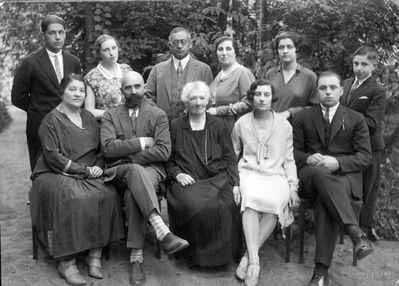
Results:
36 86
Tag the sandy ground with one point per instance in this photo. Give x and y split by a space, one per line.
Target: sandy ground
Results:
18 267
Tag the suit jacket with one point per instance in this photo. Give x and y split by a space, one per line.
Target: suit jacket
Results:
349 142
368 99
36 89
158 84
119 146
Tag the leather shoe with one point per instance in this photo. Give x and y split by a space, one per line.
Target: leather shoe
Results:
242 268
171 243
94 264
252 277
362 248
70 273
319 279
137 274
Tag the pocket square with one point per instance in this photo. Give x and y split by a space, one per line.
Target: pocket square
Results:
363 97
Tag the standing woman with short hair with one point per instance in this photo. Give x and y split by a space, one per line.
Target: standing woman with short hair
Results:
295 85
104 81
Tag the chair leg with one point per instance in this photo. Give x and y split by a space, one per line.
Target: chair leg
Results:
302 210
34 243
341 234
287 231
275 232
158 250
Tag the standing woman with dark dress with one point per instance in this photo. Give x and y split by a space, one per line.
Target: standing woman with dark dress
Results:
295 85
204 191
72 209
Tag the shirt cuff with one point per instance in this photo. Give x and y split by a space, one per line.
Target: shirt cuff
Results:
142 143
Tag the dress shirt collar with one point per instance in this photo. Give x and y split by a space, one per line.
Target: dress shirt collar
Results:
331 110
184 61
298 68
51 54
136 110
109 75
362 80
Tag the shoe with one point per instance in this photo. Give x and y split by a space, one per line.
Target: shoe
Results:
70 273
171 243
252 276
242 268
362 248
319 279
94 264
137 274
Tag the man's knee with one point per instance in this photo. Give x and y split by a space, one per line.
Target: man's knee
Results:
315 174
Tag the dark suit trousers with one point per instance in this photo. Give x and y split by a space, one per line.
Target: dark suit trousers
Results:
371 186
332 196
34 148
138 186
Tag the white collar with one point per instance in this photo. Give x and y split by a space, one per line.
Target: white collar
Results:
51 54
136 110
109 75
362 80
183 61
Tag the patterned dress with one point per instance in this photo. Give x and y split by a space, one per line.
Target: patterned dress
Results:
106 86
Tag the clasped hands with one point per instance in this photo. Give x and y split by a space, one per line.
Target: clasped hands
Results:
94 172
185 180
325 161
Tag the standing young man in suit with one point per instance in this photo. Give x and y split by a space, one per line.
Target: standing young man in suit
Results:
365 95
135 140
37 80
166 80
331 149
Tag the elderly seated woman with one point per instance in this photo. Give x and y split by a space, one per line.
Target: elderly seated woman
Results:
204 191
262 141
72 209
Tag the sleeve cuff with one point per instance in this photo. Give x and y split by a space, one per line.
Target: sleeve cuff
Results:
142 143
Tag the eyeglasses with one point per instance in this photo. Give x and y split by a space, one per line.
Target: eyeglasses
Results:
176 43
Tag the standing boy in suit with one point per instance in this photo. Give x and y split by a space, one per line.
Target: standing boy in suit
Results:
166 80
365 95
135 140
37 80
331 149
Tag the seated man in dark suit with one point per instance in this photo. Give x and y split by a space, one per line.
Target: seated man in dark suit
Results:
136 142
331 149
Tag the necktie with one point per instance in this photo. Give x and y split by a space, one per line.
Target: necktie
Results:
57 68
354 86
327 124
134 119
179 70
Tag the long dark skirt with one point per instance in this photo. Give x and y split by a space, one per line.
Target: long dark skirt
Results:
206 216
72 215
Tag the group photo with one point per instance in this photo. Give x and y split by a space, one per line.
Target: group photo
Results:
218 142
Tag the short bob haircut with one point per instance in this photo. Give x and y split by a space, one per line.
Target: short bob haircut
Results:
51 19
372 54
294 37
99 41
189 87
222 39
260 82
68 79
329 73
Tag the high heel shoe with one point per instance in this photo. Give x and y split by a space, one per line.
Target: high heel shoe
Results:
252 277
93 260
69 271
242 268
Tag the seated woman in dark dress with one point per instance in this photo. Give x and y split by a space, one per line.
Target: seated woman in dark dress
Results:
204 192
72 209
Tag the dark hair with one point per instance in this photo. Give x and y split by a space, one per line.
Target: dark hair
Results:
329 73
68 79
260 82
294 37
99 41
177 30
51 19
222 39
372 54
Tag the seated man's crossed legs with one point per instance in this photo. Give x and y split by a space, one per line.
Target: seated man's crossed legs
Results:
332 195
139 185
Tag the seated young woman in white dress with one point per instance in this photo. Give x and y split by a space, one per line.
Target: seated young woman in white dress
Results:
263 143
